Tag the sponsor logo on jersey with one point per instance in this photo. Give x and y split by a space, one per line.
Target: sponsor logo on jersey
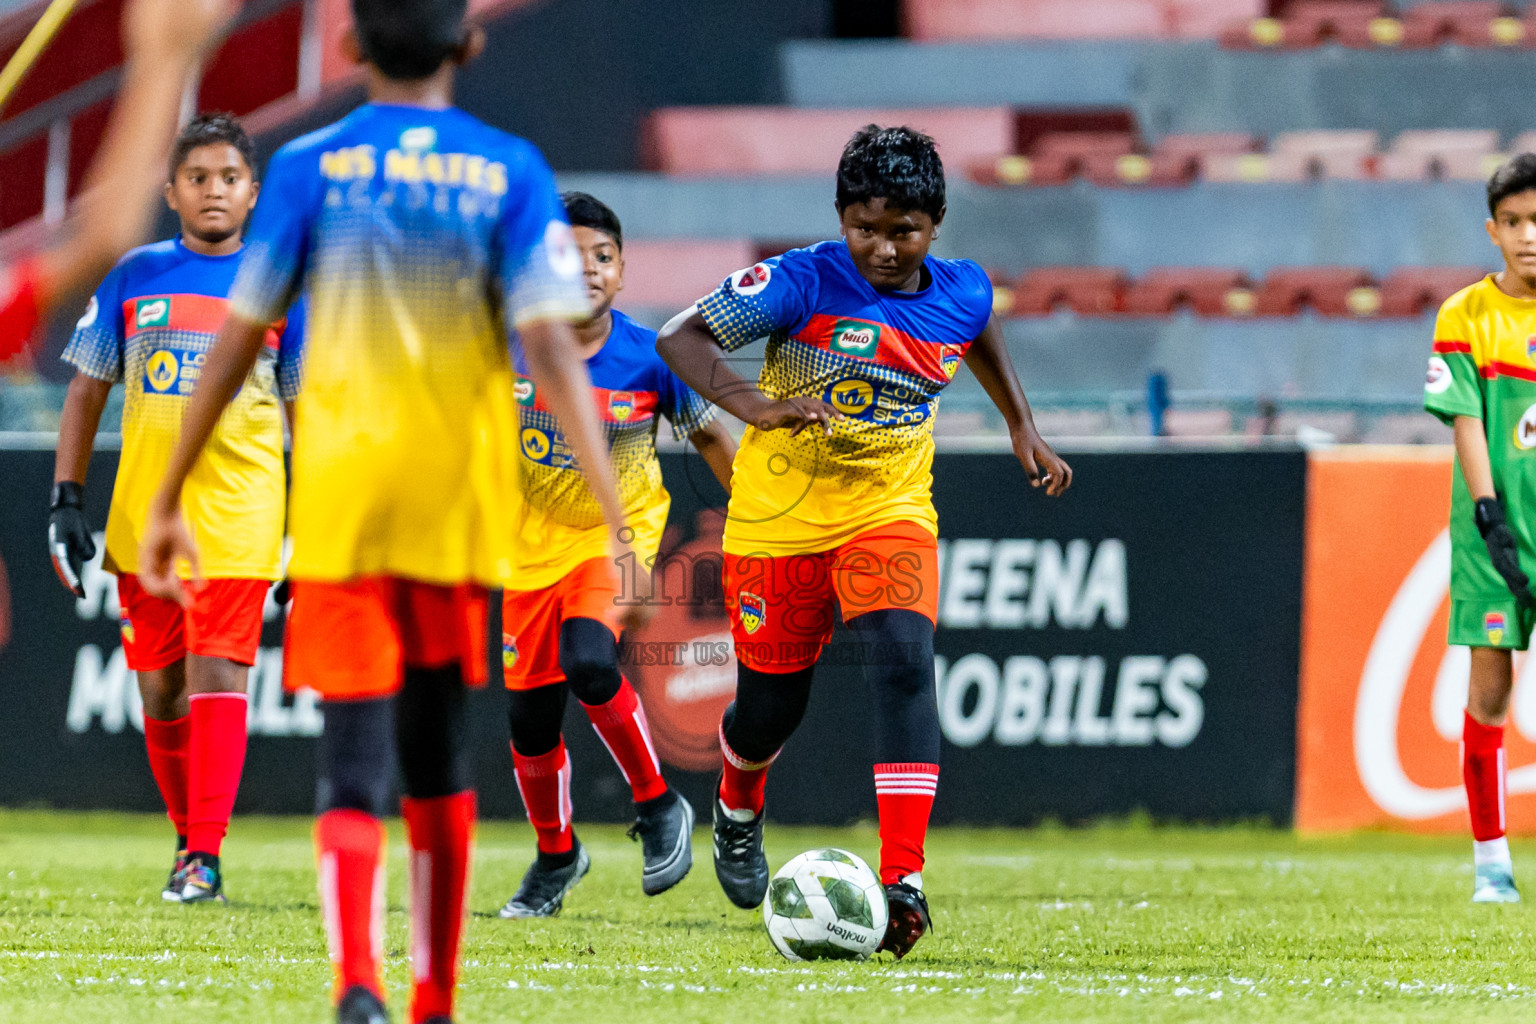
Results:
1438 380
523 391
856 338
508 650
752 280
1493 625
851 397
162 371
621 405
951 363
424 137
152 313
89 317
754 611
127 629
1525 430
536 444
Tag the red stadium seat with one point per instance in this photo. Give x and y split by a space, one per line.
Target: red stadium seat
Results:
1088 291
1467 22
1309 23
674 273
1061 156
1458 155
1331 291
1197 422
1207 291
930 20
1414 291
1177 159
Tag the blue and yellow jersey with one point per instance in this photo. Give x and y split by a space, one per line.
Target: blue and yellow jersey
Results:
562 524
879 357
150 325
421 238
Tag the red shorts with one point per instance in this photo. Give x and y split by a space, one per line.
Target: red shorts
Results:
530 621
354 640
222 620
782 607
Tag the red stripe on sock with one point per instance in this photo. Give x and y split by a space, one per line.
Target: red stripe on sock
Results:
904 793
215 760
441 831
166 743
621 724
349 848
1482 771
741 781
545 785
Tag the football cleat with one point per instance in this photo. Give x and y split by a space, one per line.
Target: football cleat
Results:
543 890
178 880
1495 883
202 883
665 833
740 863
909 919
360 1006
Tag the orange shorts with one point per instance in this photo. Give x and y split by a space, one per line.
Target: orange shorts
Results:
222 620
354 640
530 621
782 607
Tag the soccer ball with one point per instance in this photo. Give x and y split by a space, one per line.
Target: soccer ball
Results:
825 905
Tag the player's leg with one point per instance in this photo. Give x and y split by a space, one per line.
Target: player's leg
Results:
781 617
1482 770
154 647
535 716
887 583
223 625
343 643
589 660
443 638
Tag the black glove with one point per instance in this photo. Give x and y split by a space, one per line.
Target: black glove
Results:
69 535
1489 516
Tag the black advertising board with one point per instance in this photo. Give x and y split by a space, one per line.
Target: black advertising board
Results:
1131 646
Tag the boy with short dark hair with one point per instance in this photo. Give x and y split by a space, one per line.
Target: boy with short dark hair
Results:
425 242
150 325
1482 381
560 624
831 501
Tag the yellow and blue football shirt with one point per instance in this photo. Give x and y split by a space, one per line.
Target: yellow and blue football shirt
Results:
881 358
421 238
561 524
150 325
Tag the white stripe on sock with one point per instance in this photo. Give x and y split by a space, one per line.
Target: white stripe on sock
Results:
421 915
329 905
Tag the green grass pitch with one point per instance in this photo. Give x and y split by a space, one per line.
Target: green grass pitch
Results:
1121 922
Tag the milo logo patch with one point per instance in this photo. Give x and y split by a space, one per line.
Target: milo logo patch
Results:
856 338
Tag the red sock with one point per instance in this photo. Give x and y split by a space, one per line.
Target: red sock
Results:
622 726
217 756
1482 770
742 781
904 793
440 831
167 746
545 785
349 847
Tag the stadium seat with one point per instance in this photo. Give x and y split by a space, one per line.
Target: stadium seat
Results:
1456 154
786 140
1197 422
1298 156
1406 428
1305 24
1331 291
931 20
1058 423
674 273
1208 292
1178 159
1087 291
1413 291
1060 156
1466 22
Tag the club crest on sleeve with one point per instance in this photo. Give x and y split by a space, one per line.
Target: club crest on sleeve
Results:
754 611
508 650
92 311
621 405
1494 625
752 280
1438 378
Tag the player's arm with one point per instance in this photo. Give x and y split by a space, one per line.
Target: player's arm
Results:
1487 509
69 534
988 359
166 538
717 447
693 352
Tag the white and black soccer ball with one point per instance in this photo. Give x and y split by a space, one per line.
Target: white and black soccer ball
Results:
825 905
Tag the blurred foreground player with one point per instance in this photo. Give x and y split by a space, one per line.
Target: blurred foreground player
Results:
150 325
831 501
422 240
560 627
163 40
1482 381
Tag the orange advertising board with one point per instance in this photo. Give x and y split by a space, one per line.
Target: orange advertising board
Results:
1381 693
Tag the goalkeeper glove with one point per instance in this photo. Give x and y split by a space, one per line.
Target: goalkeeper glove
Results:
69 535
1489 516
